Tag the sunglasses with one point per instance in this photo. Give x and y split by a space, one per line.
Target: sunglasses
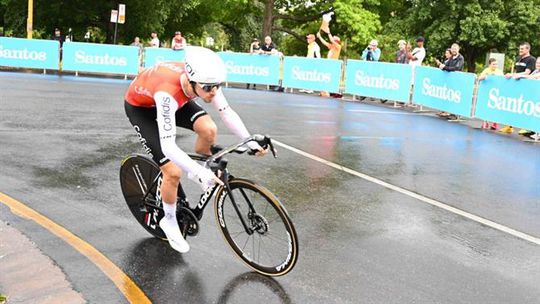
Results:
209 87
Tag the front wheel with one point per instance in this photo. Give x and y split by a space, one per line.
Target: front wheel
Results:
257 227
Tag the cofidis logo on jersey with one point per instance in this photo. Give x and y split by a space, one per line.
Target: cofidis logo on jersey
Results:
442 90
379 80
100 58
29 53
312 73
251 68
509 101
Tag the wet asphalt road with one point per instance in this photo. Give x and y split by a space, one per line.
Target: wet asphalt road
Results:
62 140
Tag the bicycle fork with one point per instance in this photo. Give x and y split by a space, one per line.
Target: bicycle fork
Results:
225 179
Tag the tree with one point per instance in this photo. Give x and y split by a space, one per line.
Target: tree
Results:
477 25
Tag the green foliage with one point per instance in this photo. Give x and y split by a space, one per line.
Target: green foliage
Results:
477 25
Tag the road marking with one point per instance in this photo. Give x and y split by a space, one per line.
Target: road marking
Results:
123 282
417 196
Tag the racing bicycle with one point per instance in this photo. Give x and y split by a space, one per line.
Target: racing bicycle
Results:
252 220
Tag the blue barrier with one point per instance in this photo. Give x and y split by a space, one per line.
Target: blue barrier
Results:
379 80
312 73
157 55
251 68
29 53
100 58
447 91
509 101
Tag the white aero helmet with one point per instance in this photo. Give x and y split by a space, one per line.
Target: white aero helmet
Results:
204 66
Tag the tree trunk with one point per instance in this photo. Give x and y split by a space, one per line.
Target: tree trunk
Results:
268 18
471 59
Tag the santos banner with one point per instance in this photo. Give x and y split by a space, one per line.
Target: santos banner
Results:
100 58
157 55
509 101
312 73
447 91
29 53
379 80
251 68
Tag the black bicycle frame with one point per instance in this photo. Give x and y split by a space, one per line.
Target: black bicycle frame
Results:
219 164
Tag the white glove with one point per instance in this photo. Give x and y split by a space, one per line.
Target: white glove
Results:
205 178
253 145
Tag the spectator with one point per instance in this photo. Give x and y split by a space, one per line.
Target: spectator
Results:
455 63
401 54
372 52
178 42
254 48
154 42
447 55
452 64
137 42
58 37
268 47
418 54
492 69
446 58
524 66
313 50
334 46
534 74
334 50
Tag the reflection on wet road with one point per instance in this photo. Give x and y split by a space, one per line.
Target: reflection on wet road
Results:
63 140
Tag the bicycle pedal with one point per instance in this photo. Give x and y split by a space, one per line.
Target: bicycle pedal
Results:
189 225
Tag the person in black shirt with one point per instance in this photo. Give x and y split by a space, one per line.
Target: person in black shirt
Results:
455 63
268 47
525 63
58 37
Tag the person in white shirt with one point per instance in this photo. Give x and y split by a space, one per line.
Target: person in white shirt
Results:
155 40
418 54
314 50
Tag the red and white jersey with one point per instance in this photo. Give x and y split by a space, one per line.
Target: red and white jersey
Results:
164 77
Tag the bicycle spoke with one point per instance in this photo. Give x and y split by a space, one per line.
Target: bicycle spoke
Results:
237 233
266 251
253 247
277 239
247 239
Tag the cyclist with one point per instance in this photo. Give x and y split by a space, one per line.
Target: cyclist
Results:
162 98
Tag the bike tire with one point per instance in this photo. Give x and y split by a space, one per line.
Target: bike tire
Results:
137 173
227 220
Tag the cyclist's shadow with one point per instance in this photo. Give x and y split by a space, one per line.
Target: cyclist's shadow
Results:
243 289
154 265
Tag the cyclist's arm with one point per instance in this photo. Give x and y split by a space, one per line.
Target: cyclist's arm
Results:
229 116
166 107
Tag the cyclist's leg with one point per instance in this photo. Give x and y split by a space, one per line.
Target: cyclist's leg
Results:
191 116
144 123
206 131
